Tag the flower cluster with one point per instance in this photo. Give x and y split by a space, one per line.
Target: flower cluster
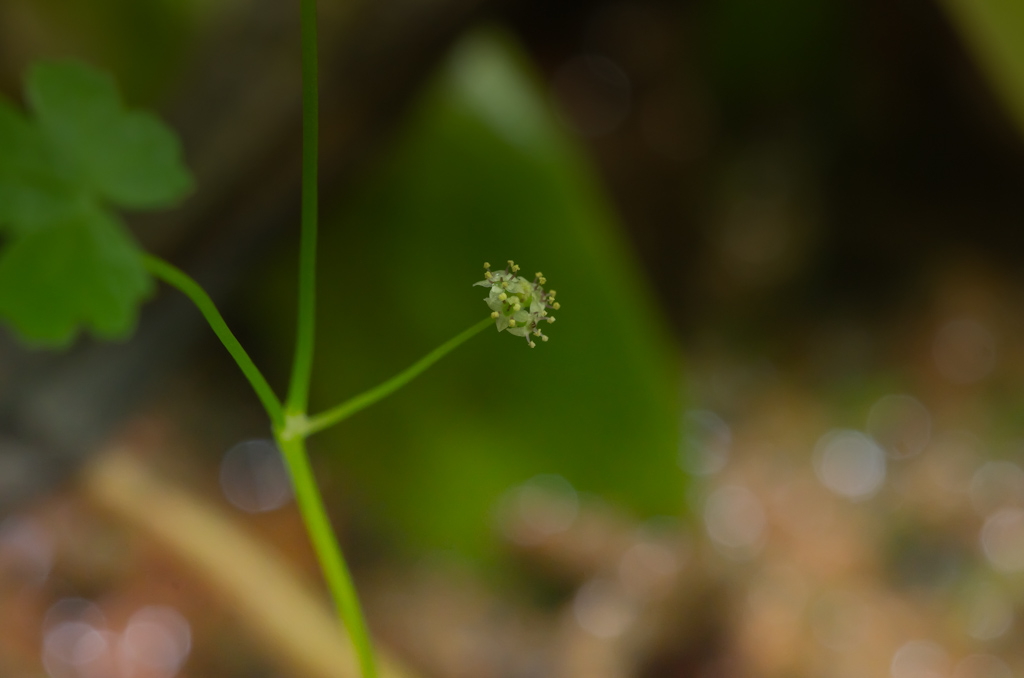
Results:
517 304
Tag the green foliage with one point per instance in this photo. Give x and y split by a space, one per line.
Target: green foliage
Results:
68 261
484 172
994 31
86 268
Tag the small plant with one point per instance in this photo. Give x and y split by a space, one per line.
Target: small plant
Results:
69 264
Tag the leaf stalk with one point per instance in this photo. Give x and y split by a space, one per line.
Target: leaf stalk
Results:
180 280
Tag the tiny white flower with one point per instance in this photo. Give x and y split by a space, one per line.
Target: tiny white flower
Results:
517 304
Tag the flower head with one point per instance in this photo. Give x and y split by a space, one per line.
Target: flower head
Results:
519 305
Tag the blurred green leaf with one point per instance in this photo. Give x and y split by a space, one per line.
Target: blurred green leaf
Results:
84 270
128 157
994 31
33 189
484 172
68 261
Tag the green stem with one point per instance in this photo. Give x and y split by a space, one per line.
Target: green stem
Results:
190 288
349 407
332 563
293 447
302 368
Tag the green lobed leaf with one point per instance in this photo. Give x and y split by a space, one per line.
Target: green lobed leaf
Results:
68 262
34 191
85 270
128 157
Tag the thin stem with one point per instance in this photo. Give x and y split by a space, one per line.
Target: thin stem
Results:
302 368
332 563
367 398
190 288
293 447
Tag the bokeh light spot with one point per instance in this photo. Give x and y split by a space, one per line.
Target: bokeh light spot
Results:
996 485
849 463
920 659
735 520
253 477
76 649
155 643
1002 539
602 609
74 609
543 506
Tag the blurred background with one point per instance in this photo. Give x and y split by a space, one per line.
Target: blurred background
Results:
778 430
